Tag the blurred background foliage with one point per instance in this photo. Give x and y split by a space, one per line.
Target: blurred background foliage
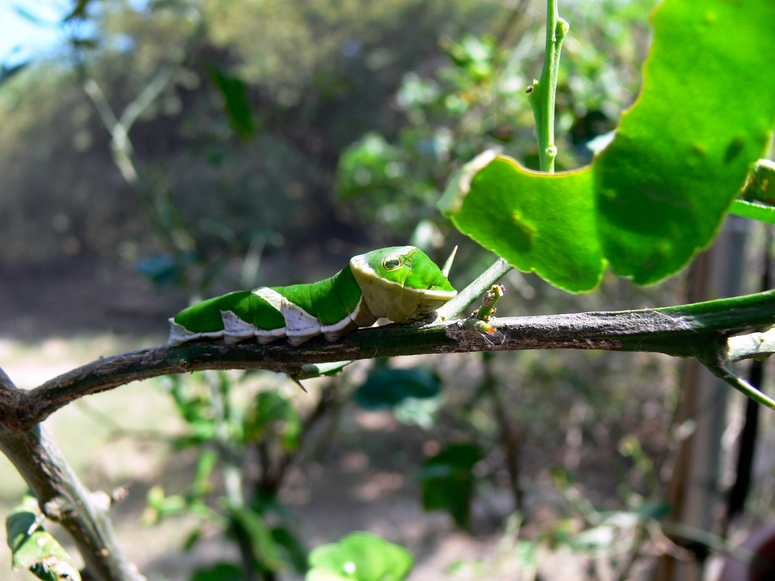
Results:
287 122
282 138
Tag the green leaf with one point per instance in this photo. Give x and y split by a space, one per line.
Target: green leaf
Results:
161 506
657 194
293 548
361 556
421 412
273 416
369 164
218 572
204 469
192 539
35 549
248 522
388 387
236 101
79 10
448 481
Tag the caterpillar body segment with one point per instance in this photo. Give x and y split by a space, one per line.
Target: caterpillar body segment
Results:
399 283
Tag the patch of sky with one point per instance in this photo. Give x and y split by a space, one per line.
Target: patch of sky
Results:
30 29
35 29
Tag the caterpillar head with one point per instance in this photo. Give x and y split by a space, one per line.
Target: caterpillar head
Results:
401 283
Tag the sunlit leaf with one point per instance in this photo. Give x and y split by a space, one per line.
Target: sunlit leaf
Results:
657 194
361 556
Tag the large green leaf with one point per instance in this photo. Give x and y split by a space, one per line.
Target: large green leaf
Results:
656 196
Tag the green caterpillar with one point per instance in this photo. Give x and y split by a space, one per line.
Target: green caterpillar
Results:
400 283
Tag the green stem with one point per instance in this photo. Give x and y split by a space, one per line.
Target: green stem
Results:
753 210
473 291
541 94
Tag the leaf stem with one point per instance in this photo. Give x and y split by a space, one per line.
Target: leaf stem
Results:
541 94
753 210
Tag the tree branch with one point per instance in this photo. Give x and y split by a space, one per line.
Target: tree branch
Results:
64 499
698 330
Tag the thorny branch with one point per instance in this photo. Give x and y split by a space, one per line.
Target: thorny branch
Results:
700 330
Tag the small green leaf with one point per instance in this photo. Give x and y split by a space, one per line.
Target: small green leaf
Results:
236 101
273 416
527 552
448 481
162 506
35 549
192 539
218 572
369 164
293 548
360 556
204 469
388 387
419 411
263 547
657 194
79 10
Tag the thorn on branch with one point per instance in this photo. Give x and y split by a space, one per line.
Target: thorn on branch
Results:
480 318
5 381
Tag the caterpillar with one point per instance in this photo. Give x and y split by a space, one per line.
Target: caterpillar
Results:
400 283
